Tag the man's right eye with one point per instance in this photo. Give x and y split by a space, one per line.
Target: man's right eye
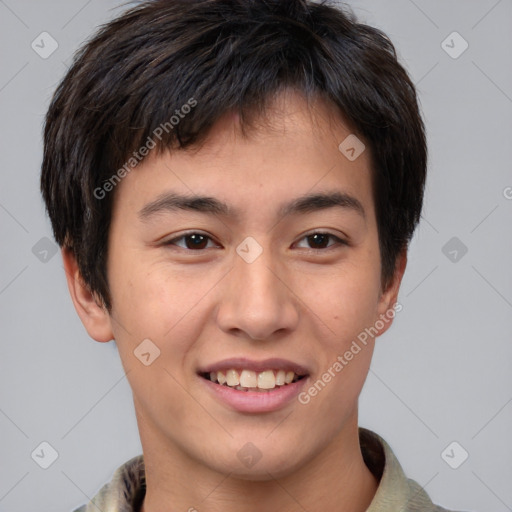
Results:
192 241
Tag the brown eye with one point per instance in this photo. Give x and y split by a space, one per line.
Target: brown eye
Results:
319 241
196 241
191 241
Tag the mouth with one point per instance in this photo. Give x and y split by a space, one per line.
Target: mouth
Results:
262 388
246 380
250 386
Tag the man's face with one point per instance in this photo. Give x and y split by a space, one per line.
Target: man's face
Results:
252 282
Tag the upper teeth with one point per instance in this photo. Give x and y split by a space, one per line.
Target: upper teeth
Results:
267 379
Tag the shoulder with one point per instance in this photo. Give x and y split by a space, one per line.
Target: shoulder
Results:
419 500
395 490
122 491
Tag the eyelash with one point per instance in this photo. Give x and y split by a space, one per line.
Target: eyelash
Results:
338 241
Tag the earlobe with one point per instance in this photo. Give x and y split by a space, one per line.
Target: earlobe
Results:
93 314
389 296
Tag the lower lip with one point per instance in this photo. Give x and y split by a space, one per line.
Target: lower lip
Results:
256 401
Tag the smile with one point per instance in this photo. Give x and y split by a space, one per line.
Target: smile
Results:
249 380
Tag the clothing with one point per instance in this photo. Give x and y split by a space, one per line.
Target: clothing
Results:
396 492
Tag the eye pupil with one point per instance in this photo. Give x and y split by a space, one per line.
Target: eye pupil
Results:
319 239
197 240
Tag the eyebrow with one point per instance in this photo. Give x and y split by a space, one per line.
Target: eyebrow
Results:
309 203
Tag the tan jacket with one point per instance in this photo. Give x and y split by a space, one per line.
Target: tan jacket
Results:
396 492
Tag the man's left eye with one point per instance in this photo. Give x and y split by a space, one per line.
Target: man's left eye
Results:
321 240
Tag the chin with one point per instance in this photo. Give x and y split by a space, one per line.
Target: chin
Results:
260 472
253 464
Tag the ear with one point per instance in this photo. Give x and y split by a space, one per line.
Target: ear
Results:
388 298
93 314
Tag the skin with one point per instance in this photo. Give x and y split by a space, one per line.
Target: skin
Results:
201 306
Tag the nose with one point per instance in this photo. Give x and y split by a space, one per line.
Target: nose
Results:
258 299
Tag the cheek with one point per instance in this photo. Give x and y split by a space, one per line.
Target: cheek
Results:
347 304
155 323
346 352
346 300
350 349
353 311
158 304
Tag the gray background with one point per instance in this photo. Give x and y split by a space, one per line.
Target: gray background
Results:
441 374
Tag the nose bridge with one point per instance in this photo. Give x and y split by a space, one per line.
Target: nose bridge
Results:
257 302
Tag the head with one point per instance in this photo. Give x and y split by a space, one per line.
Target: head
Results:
243 107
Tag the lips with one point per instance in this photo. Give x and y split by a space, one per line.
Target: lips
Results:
251 392
242 363
251 386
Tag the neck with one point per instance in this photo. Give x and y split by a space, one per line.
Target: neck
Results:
335 479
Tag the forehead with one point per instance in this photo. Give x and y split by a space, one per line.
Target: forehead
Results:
291 151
